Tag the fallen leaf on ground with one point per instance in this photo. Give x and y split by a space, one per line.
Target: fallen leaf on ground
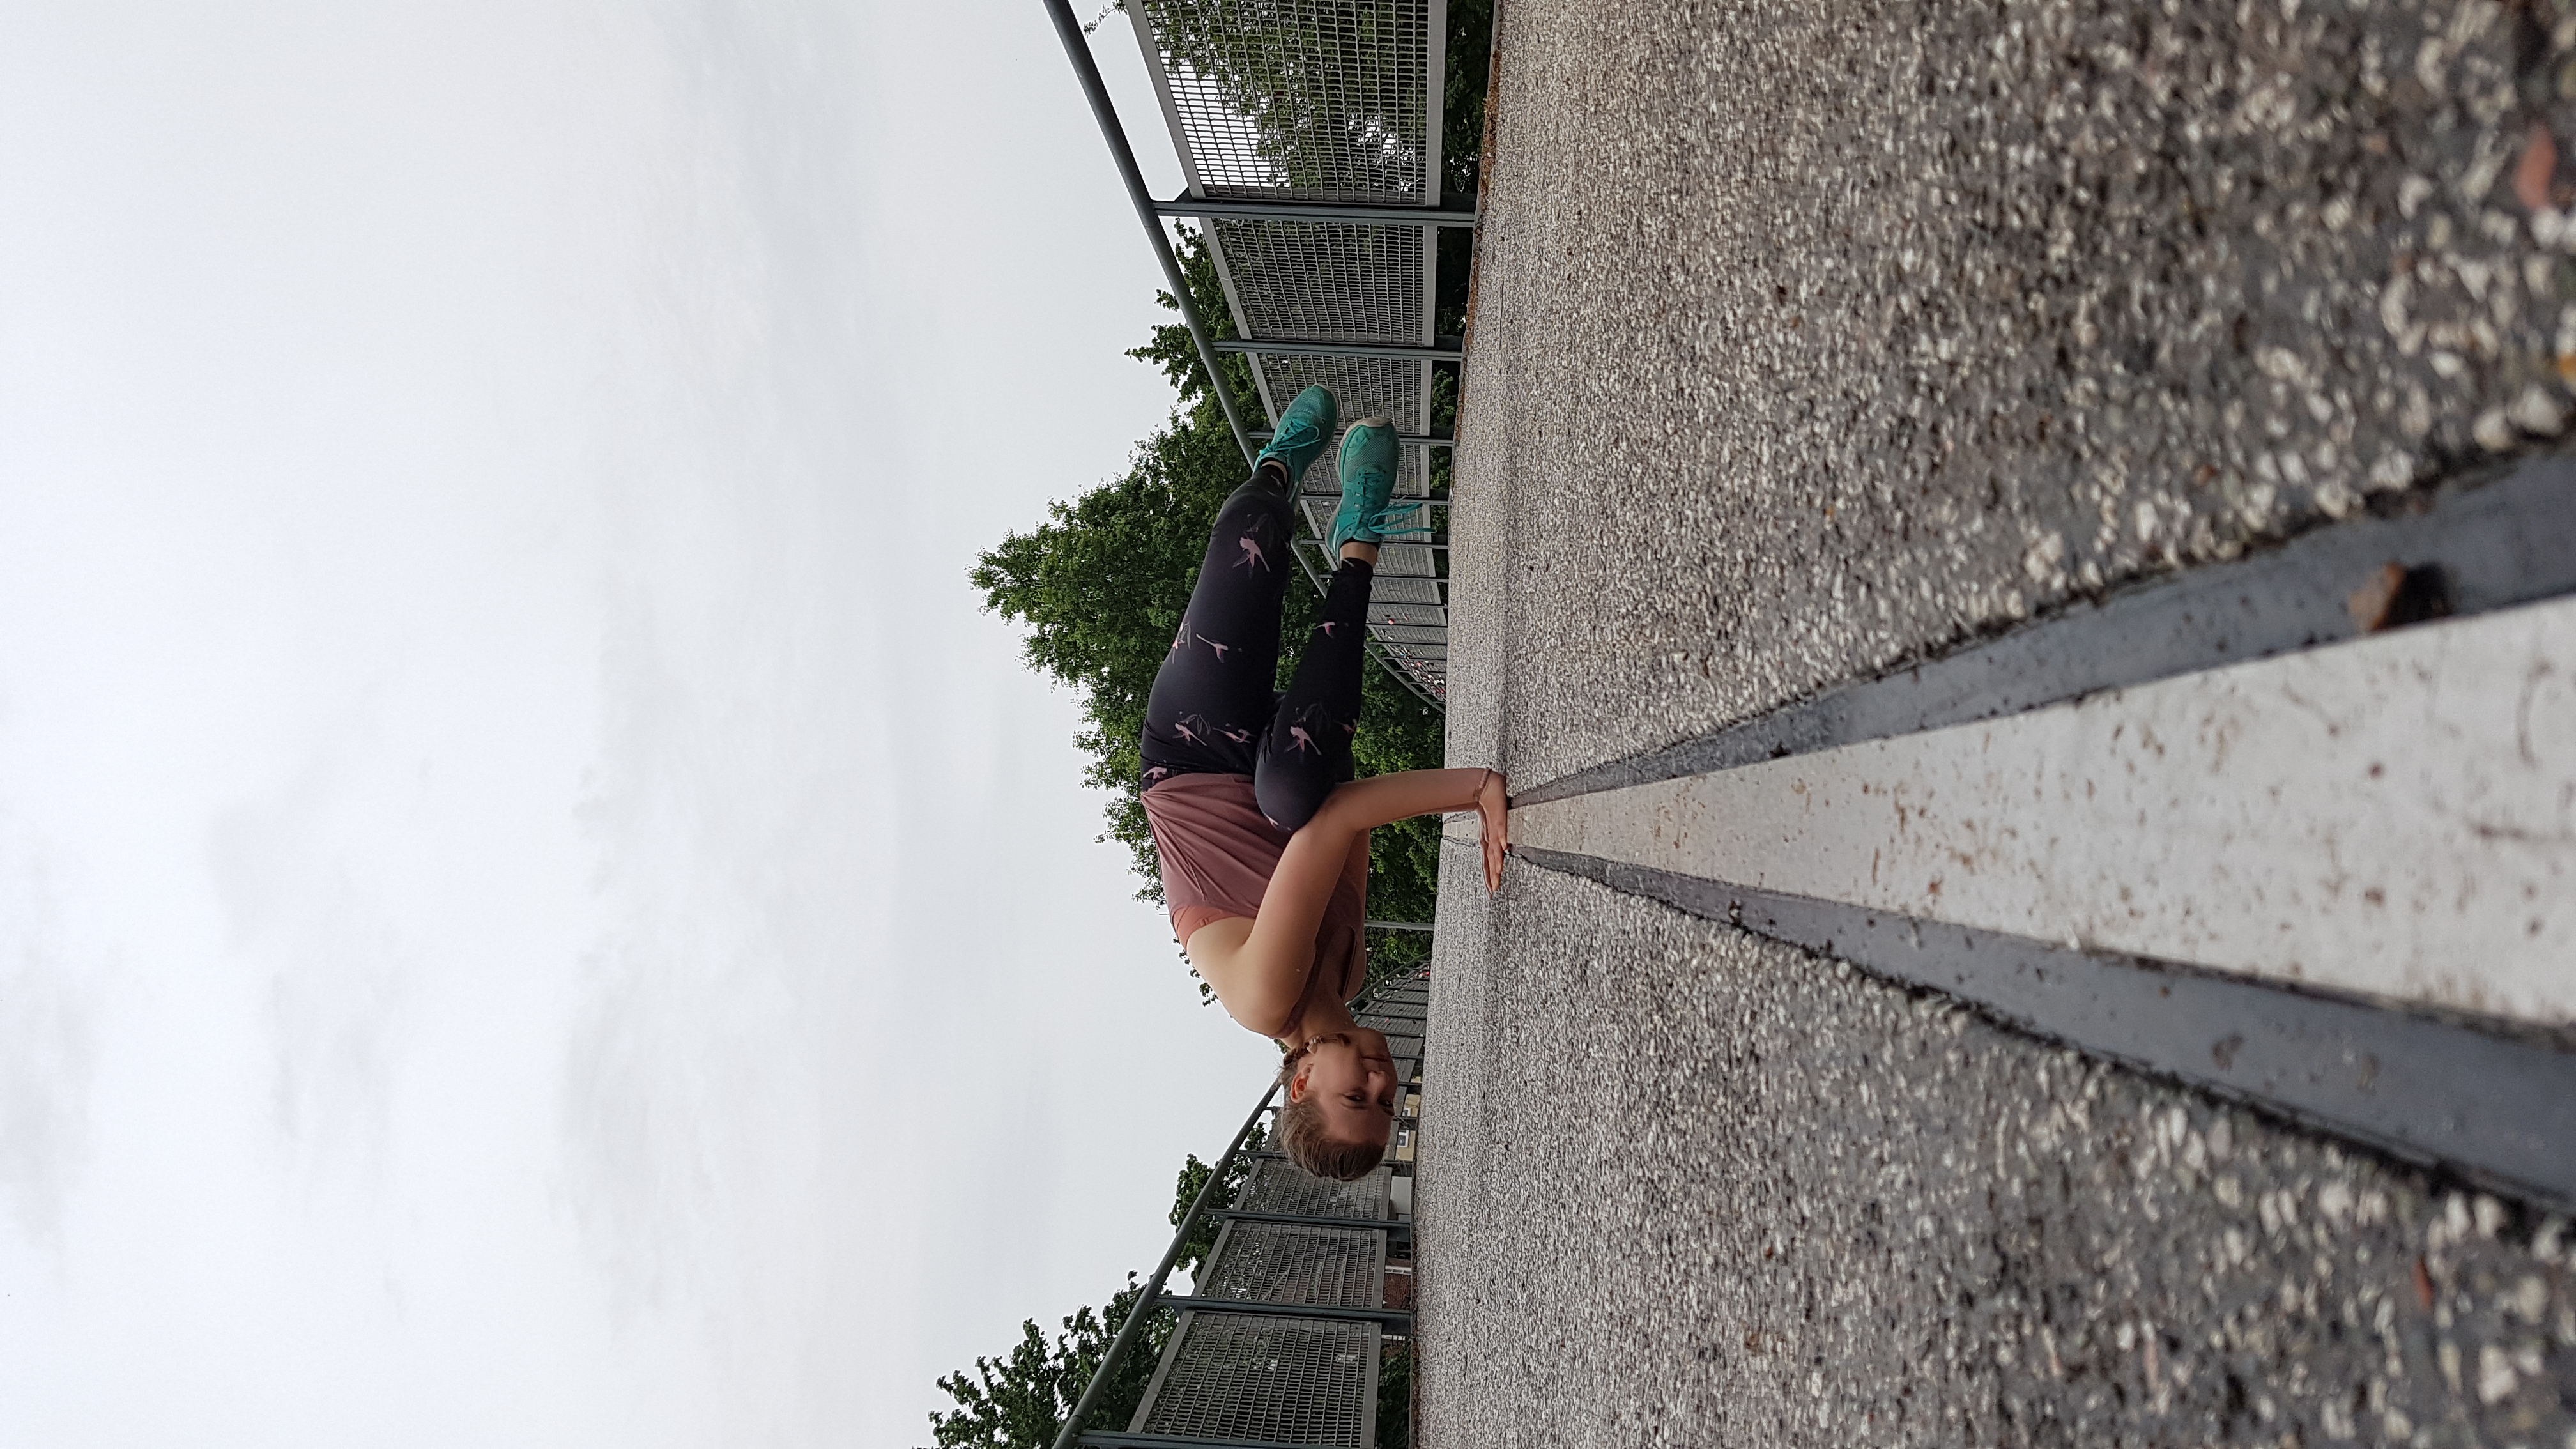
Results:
2539 167
2369 604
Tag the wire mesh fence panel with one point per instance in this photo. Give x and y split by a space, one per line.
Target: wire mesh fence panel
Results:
1406 560
1296 1263
1391 590
1274 1380
1314 282
1313 100
1422 615
1279 1187
1428 676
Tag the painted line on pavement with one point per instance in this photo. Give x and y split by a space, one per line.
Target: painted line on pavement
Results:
2498 1110
2391 817
2508 541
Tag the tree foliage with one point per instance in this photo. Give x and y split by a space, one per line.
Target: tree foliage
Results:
1395 1396
1020 1400
1462 104
1320 115
1202 1239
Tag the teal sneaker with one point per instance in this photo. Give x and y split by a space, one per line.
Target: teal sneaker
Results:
1368 479
1303 428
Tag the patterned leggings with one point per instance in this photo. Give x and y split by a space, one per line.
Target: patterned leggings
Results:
1213 709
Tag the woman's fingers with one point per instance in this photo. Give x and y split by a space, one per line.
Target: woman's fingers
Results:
1493 808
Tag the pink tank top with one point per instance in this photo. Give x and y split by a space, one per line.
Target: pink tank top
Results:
1218 851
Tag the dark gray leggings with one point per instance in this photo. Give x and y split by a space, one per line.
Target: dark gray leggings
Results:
1214 709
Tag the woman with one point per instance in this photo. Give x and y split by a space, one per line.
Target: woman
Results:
1262 832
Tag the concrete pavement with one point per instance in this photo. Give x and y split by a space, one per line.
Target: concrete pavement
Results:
1817 340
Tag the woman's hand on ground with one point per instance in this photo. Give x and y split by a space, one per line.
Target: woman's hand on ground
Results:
1493 809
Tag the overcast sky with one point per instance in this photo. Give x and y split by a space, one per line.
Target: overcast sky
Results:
534 909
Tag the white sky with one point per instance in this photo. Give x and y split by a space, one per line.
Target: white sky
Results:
533 907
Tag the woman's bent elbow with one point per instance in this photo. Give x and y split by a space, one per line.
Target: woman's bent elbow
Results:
1343 813
1271 1019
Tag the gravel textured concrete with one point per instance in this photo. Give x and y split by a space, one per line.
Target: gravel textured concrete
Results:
1680 1185
1817 338
1811 338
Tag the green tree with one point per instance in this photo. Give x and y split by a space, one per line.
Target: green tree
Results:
1020 1400
1202 1239
1462 106
1395 1396
1327 116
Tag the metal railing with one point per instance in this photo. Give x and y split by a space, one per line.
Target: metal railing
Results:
1279 1339
1309 137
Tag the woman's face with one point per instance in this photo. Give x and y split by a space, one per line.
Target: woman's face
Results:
1353 1083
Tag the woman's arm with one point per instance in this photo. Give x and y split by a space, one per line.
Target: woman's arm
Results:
1355 871
1262 979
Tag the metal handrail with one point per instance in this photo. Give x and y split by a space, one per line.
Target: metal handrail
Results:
1145 1302
1078 50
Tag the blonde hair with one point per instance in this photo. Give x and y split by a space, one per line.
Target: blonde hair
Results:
1302 1134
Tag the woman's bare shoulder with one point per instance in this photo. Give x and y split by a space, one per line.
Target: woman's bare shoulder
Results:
1219 950
1220 940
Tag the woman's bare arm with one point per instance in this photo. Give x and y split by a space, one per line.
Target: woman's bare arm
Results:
1355 869
1261 973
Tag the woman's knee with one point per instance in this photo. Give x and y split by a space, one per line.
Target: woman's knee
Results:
1290 797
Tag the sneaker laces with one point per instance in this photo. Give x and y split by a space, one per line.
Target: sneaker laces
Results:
1376 520
1293 432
